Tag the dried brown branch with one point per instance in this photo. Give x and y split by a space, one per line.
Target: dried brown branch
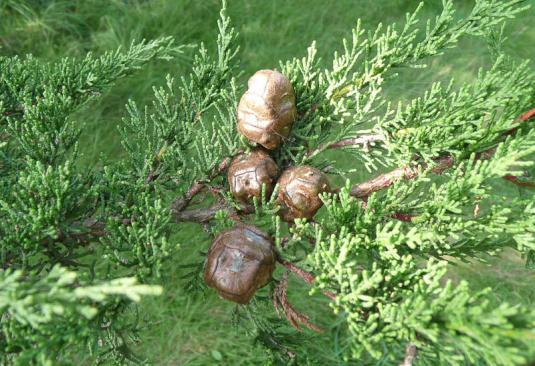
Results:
410 355
365 141
205 214
87 230
83 232
9 113
405 217
411 172
181 203
304 275
383 181
151 177
528 115
518 182
280 300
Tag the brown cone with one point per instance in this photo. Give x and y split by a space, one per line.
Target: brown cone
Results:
299 189
240 261
248 172
267 109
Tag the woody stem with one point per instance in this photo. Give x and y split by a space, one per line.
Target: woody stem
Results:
364 141
304 275
411 172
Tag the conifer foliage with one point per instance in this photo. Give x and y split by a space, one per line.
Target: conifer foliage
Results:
79 247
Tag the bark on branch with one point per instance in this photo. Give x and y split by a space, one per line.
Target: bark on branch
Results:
205 214
383 181
411 172
181 203
304 275
528 115
410 355
365 141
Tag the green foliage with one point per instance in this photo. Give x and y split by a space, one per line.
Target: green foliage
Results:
448 120
42 314
168 141
385 294
40 213
75 242
342 101
37 98
49 209
143 243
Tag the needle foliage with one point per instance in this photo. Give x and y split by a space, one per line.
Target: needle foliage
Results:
80 247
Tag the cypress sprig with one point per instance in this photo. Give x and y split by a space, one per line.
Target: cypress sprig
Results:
43 314
80 247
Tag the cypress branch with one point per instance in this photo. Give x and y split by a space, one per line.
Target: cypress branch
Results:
79 247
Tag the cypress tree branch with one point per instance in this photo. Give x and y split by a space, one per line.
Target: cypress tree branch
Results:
363 141
304 275
382 273
397 216
383 181
527 116
518 182
410 355
280 300
183 202
205 214
360 190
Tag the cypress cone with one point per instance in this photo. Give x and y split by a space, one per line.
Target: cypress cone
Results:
299 189
240 261
248 172
267 109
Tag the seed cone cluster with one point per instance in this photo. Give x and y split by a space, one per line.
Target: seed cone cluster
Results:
242 259
265 116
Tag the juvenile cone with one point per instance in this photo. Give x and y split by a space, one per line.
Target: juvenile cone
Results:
299 189
267 109
248 172
240 261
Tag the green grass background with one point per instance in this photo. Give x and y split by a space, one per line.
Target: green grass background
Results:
178 329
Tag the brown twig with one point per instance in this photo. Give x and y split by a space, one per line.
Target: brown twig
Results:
386 180
181 203
151 177
294 317
87 230
410 355
12 112
528 115
518 182
405 217
304 275
365 141
205 214
383 181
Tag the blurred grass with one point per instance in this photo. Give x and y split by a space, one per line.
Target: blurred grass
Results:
176 328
